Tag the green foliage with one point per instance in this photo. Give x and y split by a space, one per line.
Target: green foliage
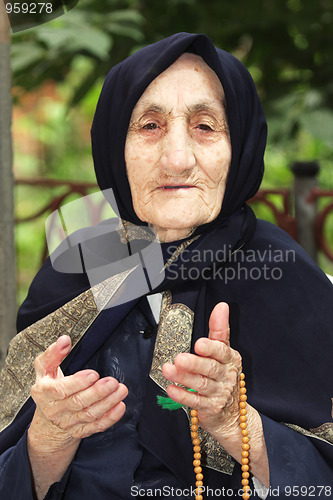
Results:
102 32
319 123
286 44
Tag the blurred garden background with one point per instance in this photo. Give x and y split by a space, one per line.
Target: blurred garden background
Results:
58 69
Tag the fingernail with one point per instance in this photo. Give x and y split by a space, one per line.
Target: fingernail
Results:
64 340
92 377
123 390
111 382
203 345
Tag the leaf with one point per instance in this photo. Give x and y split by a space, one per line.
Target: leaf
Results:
129 31
84 88
26 54
92 40
77 38
55 38
121 16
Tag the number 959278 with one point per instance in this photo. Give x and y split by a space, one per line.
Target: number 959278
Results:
308 491
29 8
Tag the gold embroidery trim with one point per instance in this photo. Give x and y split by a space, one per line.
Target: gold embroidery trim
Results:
128 232
174 335
179 250
324 432
73 319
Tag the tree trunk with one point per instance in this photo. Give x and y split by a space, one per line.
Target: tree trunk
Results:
7 248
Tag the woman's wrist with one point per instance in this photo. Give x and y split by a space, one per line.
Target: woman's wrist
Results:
51 451
47 437
230 437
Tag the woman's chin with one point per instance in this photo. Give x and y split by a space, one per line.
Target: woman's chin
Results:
167 234
177 218
175 222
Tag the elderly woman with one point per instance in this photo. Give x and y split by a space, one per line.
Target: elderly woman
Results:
179 136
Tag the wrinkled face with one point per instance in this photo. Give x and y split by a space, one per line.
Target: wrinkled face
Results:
178 149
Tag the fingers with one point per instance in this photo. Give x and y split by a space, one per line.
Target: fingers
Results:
211 396
219 323
95 393
108 420
185 398
65 387
190 363
96 409
210 405
204 375
203 385
77 405
101 408
79 414
74 393
213 373
214 349
49 361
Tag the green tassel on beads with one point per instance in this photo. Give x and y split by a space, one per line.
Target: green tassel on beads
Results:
169 404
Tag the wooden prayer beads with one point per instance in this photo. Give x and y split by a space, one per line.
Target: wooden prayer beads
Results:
245 445
245 439
197 455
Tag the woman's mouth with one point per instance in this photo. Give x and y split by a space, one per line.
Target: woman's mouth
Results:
176 187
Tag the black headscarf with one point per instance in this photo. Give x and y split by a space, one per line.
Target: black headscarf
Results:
124 86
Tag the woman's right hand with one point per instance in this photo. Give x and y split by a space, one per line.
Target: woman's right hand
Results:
75 406
67 409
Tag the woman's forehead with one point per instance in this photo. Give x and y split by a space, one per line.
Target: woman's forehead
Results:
188 76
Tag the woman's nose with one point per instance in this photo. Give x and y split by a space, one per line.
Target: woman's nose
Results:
177 154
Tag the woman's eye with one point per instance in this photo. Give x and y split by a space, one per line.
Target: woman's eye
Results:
150 126
204 126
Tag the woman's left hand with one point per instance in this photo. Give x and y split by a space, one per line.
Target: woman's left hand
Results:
213 373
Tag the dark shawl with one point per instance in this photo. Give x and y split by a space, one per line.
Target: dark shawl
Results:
282 327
